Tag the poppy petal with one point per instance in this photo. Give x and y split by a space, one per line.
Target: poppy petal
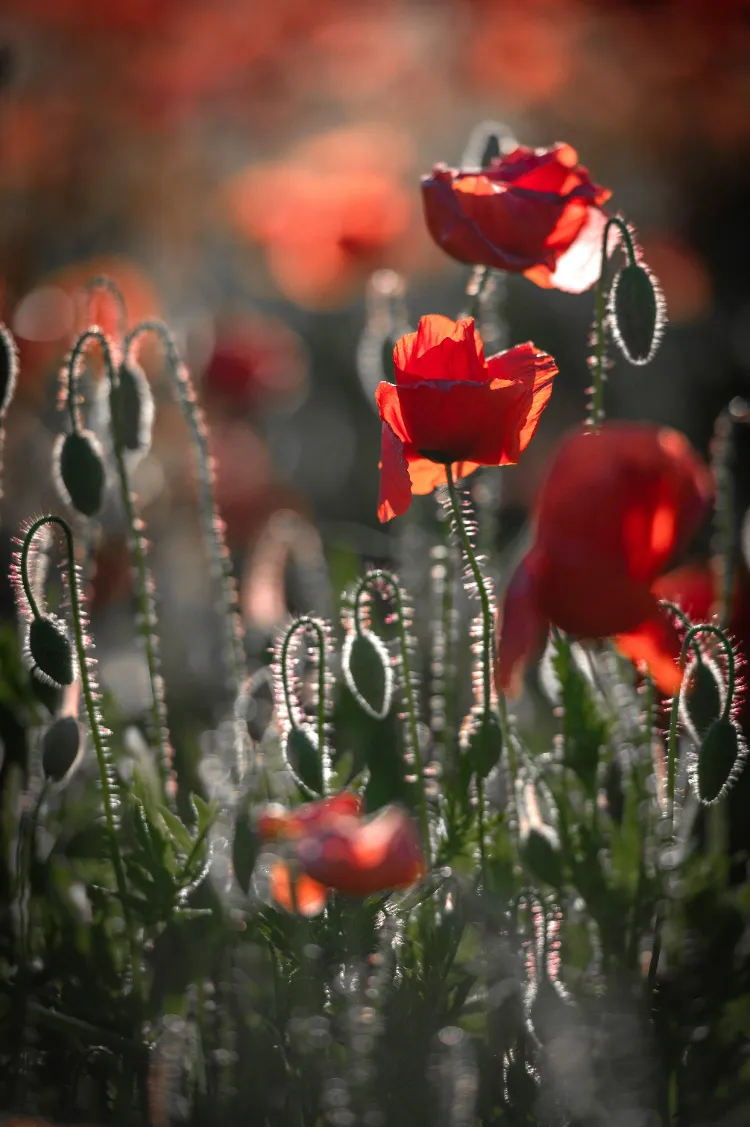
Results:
655 645
296 893
521 629
440 349
395 483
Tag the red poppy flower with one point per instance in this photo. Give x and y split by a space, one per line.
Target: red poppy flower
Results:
534 211
614 508
276 823
334 847
450 405
361 857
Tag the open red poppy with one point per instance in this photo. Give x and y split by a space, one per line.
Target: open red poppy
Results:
450 405
615 506
534 211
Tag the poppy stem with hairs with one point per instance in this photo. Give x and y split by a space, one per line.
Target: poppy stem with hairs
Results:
596 412
484 599
143 581
367 583
108 797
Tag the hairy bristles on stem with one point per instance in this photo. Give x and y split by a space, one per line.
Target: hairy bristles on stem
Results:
291 691
385 585
387 320
144 583
87 665
212 524
8 381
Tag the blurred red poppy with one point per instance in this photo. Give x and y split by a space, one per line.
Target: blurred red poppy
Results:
615 506
361 857
534 211
335 848
275 822
451 405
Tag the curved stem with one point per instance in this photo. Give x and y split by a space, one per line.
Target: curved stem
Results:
308 624
367 584
213 526
108 798
596 414
104 282
144 581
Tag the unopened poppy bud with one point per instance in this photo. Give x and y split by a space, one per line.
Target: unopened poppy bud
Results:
720 760
483 741
542 855
637 312
61 748
368 674
8 369
79 472
701 697
303 758
132 407
50 651
47 694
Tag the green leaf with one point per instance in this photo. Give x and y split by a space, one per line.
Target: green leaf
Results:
245 850
584 730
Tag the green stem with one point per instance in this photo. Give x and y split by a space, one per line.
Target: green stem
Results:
596 414
484 598
723 540
108 798
143 580
309 625
213 526
368 584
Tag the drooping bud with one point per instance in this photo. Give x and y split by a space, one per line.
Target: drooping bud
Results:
303 759
132 406
702 696
8 369
637 312
368 674
49 650
78 469
482 741
245 850
542 855
719 762
61 748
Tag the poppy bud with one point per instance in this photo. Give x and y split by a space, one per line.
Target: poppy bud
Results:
8 369
49 695
49 650
542 856
701 697
720 760
132 407
61 748
368 674
303 759
79 472
637 312
483 743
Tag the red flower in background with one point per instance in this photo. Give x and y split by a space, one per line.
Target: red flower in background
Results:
451 405
335 848
614 507
534 212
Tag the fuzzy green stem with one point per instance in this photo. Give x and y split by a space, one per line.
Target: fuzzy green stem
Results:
213 527
688 641
143 580
596 414
108 798
308 625
367 584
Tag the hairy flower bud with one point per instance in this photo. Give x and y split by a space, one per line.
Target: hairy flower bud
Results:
79 472
637 312
61 748
368 674
49 650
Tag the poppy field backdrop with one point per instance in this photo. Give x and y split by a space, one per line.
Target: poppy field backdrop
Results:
372 711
